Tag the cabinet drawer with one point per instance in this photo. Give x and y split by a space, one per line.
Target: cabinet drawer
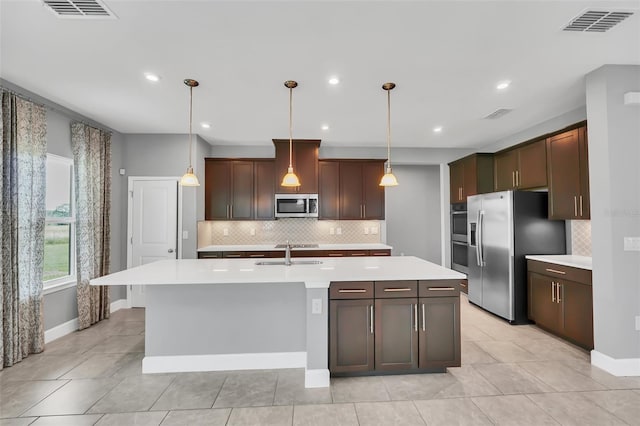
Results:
209 255
395 289
386 252
351 290
233 254
438 288
560 271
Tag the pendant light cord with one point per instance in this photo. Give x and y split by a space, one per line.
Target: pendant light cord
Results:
290 125
190 121
388 128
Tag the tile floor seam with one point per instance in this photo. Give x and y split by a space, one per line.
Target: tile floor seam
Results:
161 393
487 415
44 397
600 405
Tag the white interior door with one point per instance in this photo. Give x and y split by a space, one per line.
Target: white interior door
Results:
153 226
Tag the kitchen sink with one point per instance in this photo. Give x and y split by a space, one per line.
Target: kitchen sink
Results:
293 262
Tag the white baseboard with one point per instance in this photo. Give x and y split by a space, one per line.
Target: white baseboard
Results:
617 367
118 304
72 325
60 330
317 378
223 362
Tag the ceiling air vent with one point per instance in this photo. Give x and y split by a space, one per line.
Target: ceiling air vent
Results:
597 21
498 113
80 9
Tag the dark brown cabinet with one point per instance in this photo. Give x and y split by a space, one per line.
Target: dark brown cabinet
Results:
561 301
568 175
523 167
264 195
470 175
228 189
413 325
294 253
329 189
304 161
361 196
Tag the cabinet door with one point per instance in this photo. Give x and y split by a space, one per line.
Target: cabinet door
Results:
505 165
372 192
583 204
351 335
439 332
242 190
217 183
329 189
532 165
577 312
563 161
470 177
264 184
350 190
304 162
456 180
543 307
396 334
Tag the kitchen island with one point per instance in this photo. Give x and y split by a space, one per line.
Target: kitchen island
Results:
234 314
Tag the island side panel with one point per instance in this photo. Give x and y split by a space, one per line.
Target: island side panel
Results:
225 326
317 370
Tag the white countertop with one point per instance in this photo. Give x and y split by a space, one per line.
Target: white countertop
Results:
272 247
228 271
582 262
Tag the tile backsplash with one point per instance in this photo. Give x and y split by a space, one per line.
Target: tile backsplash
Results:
298 230
581 237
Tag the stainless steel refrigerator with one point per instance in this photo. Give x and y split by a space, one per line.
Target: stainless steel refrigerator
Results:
502 228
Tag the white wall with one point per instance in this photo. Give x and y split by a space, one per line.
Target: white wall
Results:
614 155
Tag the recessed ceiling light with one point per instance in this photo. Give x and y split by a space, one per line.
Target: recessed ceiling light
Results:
437 129
325 127
334 80
152 77
503 85
205 125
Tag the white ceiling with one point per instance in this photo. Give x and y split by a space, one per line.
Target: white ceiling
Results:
446 58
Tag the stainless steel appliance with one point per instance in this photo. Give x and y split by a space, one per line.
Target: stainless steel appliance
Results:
503 227
459 247
296 205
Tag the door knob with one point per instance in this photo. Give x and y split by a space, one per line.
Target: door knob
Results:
170 250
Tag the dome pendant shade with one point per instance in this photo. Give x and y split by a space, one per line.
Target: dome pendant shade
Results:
189 178
290 179
388 179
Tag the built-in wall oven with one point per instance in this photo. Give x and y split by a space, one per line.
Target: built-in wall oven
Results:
459 245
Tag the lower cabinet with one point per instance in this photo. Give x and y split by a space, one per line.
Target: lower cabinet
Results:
394 326
561 301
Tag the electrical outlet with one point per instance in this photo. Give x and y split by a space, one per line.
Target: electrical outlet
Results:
374 230
631 243
225 232
339 231
252 231
185 235
366 231
332 231
316 306
638 323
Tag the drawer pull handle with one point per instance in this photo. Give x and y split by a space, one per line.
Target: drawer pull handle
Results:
441 289
256 255
556 271
358 254
336 254
234 255
381 254
390 290
355 290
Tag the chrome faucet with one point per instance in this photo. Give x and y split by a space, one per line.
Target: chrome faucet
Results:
287 254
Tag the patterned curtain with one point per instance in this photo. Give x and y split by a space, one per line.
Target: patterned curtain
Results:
23 149
92 159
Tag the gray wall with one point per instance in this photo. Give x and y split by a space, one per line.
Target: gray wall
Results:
168 155
614 154
413 212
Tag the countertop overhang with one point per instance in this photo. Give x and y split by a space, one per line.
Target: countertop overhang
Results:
230 271
582 262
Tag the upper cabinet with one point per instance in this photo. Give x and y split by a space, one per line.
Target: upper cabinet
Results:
522 167
470 175
239 189
568 175
329 189
304 160
361 196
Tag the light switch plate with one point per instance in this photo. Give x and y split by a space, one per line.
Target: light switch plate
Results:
225 232
638 323
631 243
316 306
338 231
185 235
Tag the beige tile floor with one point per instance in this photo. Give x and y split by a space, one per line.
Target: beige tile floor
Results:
510 375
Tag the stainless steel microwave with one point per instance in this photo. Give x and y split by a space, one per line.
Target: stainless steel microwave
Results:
296 205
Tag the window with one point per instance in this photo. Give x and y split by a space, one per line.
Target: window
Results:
60 224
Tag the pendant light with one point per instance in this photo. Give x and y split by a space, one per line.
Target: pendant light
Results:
290 179
388 179
189 178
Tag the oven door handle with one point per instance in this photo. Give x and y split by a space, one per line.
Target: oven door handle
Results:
459 243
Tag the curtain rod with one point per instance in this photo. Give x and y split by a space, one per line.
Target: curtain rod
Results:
53 108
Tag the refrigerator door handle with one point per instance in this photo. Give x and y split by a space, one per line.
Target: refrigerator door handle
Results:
477 230
480 238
